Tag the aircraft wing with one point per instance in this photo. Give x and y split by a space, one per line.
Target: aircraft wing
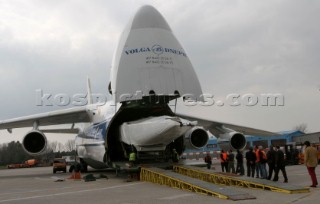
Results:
217 128
66 116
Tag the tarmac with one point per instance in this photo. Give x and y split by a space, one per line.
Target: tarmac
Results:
40 185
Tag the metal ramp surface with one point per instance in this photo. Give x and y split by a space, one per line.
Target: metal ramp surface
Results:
175 180
239 181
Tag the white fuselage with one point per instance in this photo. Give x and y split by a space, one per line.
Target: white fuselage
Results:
148 61
90 142
146 135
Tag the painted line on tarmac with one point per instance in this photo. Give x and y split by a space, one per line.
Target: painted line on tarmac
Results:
66 193
176 197
33 191
48 179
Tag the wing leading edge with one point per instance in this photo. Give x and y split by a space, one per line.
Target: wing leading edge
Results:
66 116
217 128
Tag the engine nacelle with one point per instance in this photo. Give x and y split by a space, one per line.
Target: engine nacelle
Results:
232 140
196 138
34 143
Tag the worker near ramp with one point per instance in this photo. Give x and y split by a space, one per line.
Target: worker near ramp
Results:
231 162
132 164
251 162
261 163
175 156
280 165
239 158
271 161
208 161
224 161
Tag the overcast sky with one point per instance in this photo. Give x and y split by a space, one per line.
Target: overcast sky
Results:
236 47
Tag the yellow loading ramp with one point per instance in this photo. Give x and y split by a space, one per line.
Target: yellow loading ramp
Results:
175 180
239 181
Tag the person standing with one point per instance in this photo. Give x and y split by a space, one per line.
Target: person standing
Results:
257 162
311 161
251 162
295 156
223 161
231 162
239 158
132 158
175 155
280 165
132 161
208 160
271 161
263 161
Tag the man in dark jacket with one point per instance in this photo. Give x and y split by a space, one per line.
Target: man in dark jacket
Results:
251 161
271 161
208 161
280 165
239 158
231 162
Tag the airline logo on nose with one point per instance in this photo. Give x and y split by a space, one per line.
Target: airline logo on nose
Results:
156 49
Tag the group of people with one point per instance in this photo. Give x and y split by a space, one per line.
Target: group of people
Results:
257 160
227 160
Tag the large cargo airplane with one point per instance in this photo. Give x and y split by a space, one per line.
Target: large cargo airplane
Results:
150 68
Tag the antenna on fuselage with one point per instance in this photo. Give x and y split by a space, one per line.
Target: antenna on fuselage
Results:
89 93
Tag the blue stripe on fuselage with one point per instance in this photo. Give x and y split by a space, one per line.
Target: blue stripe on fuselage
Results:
96 131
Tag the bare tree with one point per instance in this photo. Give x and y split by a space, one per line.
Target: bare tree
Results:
52 146
48 154
70 145
302 127
60 147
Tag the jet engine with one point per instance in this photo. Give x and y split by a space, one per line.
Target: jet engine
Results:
34 143
196 138
232 140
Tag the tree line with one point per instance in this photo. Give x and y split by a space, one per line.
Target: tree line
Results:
13 153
